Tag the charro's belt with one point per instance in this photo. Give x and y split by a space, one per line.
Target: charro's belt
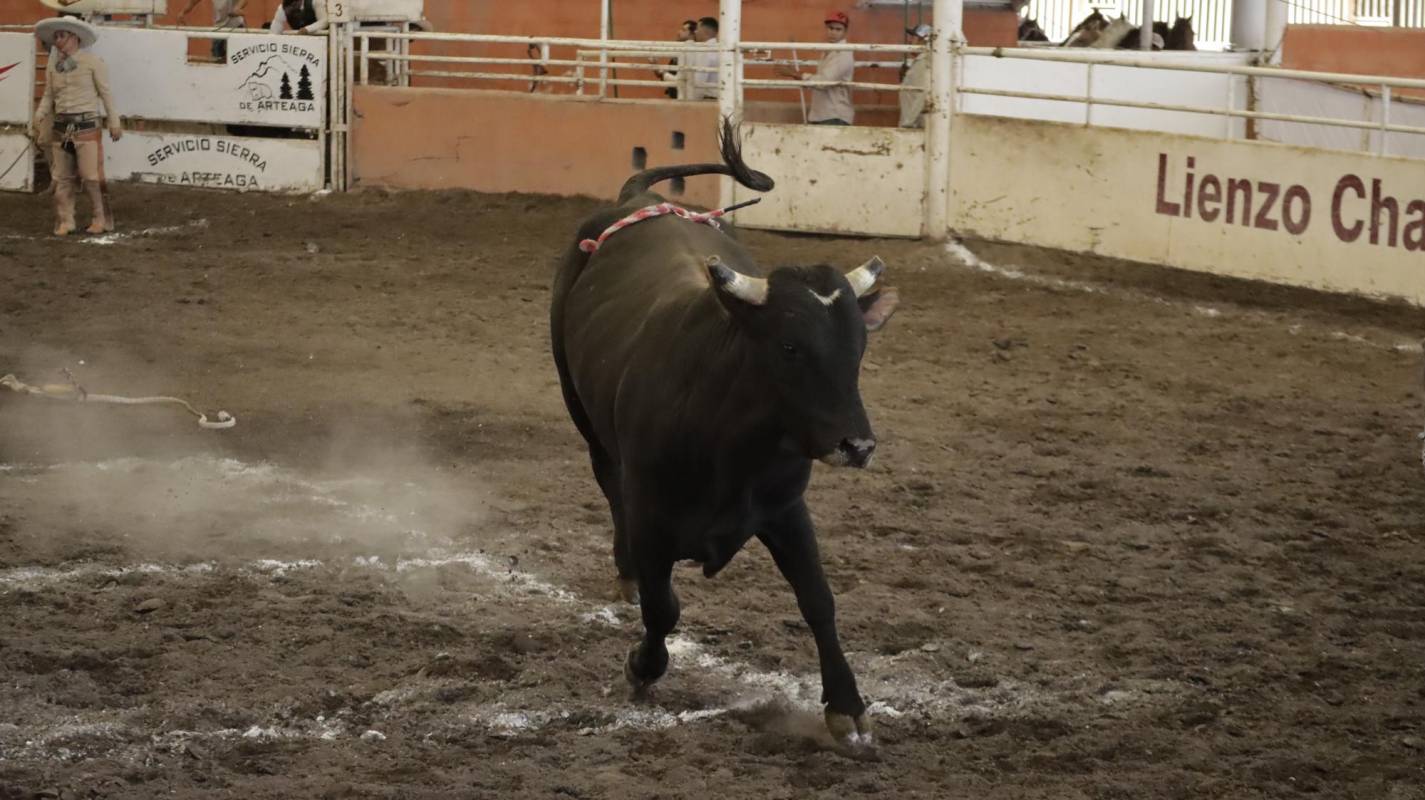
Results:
75 123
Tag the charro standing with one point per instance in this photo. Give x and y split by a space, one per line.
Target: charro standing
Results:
68 119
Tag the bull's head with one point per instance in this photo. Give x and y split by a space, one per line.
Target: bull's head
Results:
807 327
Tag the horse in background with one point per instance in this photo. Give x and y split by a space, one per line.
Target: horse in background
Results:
1160 37
1181 36
1114 35
1087 31
1097 32
1029 31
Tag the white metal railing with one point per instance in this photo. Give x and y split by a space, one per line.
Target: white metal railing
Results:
537 77
610 56
795 49
1376 13
1229 109
584 60
751 57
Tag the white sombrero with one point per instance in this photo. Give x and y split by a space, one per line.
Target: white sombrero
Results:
47 28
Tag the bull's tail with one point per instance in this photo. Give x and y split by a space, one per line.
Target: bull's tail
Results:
729 142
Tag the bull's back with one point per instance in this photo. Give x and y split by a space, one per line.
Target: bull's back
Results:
651 268
635 309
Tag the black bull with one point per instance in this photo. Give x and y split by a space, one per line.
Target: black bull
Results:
705 387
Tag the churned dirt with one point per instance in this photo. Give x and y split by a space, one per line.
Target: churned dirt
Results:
1131 533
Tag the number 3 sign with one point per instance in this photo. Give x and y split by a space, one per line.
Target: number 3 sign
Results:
339 10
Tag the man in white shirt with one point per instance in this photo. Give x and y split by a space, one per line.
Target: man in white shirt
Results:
702 83
686 33
830 105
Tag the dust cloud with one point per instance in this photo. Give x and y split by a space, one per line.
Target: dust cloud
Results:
145 484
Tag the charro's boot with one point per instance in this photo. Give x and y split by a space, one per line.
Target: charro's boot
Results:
101 222
62 178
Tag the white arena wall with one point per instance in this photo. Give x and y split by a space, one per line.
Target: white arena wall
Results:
265 80
1209 90
275 81
17 75
1313 98
215 161
835 179
178 107
1334 221
1111 83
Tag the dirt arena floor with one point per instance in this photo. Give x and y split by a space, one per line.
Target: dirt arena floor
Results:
1131 533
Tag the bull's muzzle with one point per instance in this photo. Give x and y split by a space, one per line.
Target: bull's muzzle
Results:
852 453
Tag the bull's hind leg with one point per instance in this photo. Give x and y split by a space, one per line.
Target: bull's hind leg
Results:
648 660
606 470
607 473
792 541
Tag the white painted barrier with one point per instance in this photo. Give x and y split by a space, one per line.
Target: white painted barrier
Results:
833 179
383 10
17 81
1336 221
216 162
1109 83
1313 98
265 80
157 7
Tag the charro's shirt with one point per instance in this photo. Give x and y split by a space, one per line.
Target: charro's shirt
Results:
833 102
78 91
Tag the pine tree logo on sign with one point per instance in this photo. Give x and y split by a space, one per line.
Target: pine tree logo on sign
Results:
281 81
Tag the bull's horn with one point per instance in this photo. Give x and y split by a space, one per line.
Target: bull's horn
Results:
864 277
750 290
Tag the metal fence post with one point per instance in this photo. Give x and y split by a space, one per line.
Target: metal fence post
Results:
944 46
729 79
605 22
1381 149
1088 97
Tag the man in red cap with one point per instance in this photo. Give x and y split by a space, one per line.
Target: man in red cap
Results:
830 105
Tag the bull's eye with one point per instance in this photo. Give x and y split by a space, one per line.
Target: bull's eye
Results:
789 351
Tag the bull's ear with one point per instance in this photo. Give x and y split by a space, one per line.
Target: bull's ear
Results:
878 306
729 281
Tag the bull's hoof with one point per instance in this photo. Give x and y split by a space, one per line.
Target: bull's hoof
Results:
853 734
628 590
640 684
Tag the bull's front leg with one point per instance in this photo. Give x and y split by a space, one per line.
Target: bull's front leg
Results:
648 660
792 542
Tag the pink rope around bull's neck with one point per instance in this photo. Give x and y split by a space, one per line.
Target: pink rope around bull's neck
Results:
648 212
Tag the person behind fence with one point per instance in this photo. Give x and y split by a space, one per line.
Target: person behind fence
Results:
227 15
917 74
536 57
830 105
686 33
300 16
91 17
68 120
702 83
